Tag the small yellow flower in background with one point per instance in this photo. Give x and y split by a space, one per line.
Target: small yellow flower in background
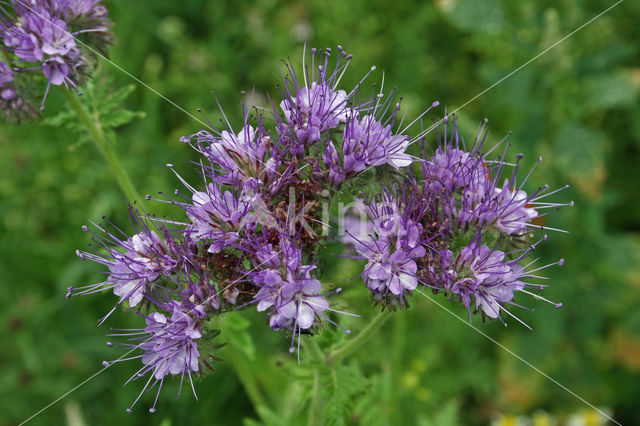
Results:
506 420
588 418
542 418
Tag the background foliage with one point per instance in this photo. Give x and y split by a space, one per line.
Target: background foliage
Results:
577 106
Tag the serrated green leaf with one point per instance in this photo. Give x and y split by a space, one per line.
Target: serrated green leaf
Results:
120 118
102 102
348 383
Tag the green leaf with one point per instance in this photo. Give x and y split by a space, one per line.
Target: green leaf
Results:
348 383
478 16
236 330
268 416
445 416
609 91
102 101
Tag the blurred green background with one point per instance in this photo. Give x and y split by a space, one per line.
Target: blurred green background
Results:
577 106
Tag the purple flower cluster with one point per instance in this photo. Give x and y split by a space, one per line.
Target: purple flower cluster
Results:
57 37
249 232
459 225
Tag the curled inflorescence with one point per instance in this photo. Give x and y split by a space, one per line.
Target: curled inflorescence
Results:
52 39
450 219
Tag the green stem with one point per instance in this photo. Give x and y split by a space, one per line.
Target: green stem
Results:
315 410
355 343
311 345
244 372
93 126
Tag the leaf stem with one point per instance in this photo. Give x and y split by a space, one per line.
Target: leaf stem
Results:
355 343
94 128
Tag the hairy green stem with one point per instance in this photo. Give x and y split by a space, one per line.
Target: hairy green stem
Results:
315 410
93 126
355 343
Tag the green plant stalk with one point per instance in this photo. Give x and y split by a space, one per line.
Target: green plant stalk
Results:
93 126
315 409
311 345
355 343
245 375
398 343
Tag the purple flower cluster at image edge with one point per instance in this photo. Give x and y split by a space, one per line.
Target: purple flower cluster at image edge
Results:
42 35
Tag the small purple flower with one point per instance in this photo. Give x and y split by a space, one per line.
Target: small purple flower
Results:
466 187
242 155
169 348
12 104
6 74
144 263
491 278
133 263
391 249
217 215
513 210
295 300
286 287
453 169
394 272
367 142
311 111
41 32
316 106
39 36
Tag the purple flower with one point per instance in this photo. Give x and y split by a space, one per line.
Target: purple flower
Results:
314 110
453 169
295 300
6 74
394 272
39 36
134 263
286 286
12 104
391 249
367 142
465 185
217 215
513 210
41 32
169 347
287 289
142 264
491 278
242 155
